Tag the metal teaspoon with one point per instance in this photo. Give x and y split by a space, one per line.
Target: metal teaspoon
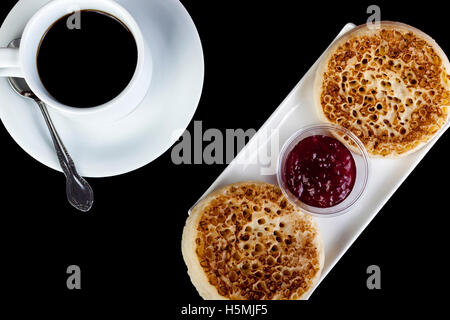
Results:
79 192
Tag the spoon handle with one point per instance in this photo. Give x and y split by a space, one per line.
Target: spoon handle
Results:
79 192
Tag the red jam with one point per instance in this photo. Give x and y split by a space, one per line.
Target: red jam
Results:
320 171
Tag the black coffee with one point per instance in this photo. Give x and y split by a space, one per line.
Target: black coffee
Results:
89 63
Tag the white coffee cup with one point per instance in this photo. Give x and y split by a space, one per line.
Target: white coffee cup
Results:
22 62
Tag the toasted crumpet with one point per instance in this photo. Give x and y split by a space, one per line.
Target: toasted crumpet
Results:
389 85
247 242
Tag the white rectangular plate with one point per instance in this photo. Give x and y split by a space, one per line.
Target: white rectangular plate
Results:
256 162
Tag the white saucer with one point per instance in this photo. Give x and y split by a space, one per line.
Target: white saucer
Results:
128 144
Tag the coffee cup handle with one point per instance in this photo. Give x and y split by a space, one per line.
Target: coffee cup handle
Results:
9 63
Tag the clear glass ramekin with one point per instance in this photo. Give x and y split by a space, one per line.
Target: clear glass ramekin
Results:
358 152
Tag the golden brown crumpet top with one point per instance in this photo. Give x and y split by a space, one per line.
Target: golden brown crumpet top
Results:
247 242
389 86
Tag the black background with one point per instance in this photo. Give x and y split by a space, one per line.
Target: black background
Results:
128 247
